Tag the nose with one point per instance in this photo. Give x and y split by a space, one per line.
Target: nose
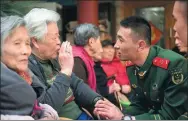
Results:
26 50
116 46
58 41
174 28
176 35
176 41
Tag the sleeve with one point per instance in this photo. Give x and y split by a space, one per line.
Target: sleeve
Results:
136 107
101 78
84 96
80 69
55 95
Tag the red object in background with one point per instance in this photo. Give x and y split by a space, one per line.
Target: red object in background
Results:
115 68
155 35
87 11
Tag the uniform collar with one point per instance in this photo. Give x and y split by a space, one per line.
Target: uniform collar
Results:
144 69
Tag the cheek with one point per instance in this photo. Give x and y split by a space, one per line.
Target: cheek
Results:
10 58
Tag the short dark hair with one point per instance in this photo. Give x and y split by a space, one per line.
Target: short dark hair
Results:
139 26
107 42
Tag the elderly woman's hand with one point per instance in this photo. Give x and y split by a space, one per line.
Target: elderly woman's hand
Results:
66 59
49 112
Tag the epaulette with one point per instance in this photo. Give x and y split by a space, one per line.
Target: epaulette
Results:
128 63
161 62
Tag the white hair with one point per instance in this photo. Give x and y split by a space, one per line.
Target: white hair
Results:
8 24
37 20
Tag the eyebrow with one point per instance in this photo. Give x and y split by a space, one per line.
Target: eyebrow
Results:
120 37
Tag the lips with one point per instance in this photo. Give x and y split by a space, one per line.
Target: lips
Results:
24 60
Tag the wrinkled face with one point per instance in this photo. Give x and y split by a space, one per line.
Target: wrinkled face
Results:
49 47
16 50
180 26
108 52
96 48
126 48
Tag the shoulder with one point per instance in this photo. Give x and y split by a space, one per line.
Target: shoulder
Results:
168 59
128 64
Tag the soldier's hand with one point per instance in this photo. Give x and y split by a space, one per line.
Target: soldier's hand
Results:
107 110
66 59
115 87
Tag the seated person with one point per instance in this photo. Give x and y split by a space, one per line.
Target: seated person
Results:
18 99
87 46
52 63
111 74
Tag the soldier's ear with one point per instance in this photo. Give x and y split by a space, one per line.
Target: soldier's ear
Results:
141 45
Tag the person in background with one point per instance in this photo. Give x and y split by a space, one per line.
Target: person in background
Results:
18 98
87 47
111 74
52 63
180 26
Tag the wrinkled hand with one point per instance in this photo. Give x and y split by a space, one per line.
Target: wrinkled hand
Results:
66 60
49 112
107 110
115 87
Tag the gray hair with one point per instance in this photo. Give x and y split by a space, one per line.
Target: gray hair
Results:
8 24
37 20
84 32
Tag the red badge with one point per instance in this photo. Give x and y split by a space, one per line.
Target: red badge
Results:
161 62
128 63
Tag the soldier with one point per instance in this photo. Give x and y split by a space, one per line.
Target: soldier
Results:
159 77
180 26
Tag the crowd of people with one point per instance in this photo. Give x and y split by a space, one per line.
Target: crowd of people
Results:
44 79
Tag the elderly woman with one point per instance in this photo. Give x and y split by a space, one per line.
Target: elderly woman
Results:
18 97
87 48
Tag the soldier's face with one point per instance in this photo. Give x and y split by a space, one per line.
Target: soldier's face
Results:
126 48
180 26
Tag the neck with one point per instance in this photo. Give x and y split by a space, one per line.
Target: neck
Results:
141 58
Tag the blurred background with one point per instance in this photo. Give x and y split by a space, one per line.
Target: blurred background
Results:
105 14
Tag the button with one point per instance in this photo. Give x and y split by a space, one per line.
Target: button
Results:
145 93
157 99
136 94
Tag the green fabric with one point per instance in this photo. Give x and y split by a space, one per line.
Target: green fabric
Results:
124 104
69 110
157 95
184 116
